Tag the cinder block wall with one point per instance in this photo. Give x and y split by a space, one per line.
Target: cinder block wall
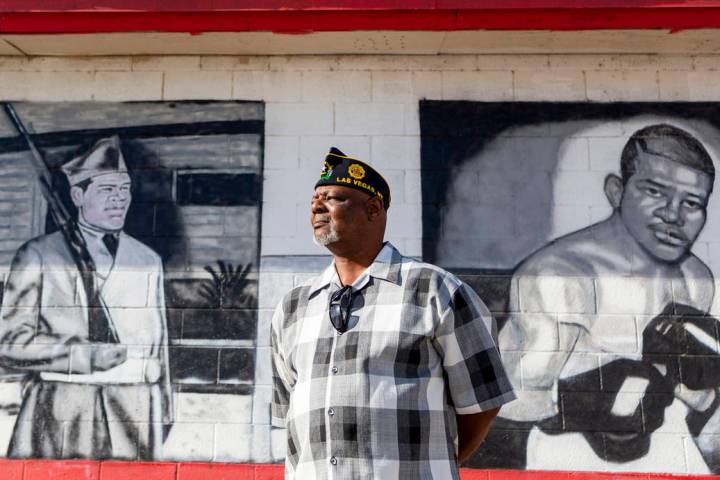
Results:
368 107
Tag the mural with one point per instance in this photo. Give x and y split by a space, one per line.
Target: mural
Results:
588 228
129 238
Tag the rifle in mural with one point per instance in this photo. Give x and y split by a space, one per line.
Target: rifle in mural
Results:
67 226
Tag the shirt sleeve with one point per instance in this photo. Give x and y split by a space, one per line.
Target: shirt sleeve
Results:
281 373
27 341
474 371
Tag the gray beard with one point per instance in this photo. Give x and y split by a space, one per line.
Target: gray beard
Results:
325 239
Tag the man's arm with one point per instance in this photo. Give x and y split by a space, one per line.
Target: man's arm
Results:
283 376
474 373
472 430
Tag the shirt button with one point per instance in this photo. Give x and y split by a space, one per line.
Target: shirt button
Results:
331 411
333 461
334 370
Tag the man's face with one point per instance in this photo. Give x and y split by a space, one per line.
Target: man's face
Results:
105 202
337 214
664 206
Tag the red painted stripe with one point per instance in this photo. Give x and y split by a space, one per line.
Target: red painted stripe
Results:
137 471
62 470
106 470
332 5
324 21
206 471
11 470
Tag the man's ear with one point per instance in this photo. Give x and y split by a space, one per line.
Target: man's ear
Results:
374 208
614 190
76 193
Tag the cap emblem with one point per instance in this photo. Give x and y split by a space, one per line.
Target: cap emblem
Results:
356 171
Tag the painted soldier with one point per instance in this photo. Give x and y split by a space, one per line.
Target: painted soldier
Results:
98 359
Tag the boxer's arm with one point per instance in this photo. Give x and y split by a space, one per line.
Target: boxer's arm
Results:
703 422
534 376
686 334
539 336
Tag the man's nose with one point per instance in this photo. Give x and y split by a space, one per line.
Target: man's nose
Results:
317 205
119 196
670 213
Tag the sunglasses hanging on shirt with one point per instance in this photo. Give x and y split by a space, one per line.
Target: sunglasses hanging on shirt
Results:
340 305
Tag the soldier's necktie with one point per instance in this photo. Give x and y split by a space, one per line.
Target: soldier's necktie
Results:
111 243
99 323
99 329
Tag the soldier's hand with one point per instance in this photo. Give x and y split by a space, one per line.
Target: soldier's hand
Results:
105 357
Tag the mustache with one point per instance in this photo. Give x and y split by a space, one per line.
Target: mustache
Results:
669 230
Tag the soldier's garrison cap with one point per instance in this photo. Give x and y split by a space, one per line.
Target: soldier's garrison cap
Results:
103 158
339 169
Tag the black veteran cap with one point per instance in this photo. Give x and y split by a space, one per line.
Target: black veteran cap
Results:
346 171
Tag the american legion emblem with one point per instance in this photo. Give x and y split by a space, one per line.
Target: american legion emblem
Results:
356 171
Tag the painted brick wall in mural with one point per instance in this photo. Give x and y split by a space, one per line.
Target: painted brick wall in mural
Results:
129 249
593 232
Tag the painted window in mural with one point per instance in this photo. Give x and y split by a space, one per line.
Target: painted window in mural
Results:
592 231
129 246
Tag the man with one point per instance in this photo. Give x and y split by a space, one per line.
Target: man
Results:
599 318
384 367
99 359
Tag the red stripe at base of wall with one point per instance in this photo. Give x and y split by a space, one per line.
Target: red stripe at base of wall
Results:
332 5
284 21
106 470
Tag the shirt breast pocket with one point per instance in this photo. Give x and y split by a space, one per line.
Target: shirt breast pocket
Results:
61 289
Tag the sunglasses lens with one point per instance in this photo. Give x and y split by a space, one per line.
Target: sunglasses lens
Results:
336 317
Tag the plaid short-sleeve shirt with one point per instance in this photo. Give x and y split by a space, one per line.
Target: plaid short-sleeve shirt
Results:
379 401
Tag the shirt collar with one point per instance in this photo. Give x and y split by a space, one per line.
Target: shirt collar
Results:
386 266
94 232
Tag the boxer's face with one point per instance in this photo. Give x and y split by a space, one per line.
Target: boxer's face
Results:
663 206
105 202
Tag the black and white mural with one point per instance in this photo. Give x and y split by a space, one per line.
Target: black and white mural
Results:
129 247
593 233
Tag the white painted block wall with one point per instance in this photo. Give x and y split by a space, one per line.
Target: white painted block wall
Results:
368 107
